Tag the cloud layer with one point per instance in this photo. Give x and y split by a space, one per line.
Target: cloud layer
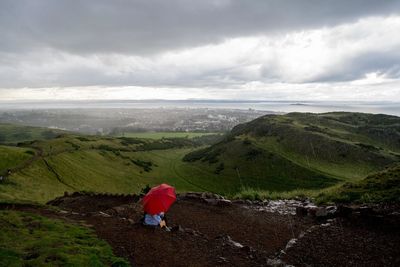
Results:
200 48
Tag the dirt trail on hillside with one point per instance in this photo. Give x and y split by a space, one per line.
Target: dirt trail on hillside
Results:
38 154
219 233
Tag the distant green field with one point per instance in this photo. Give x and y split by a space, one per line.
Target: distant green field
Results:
159 135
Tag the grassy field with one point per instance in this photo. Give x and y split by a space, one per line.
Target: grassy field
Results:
160 135
32 240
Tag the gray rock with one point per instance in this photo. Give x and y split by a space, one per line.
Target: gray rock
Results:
234 243
291 243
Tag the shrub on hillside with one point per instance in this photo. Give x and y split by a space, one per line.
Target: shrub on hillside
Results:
48 134
146 165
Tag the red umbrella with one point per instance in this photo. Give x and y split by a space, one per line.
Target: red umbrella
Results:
159 199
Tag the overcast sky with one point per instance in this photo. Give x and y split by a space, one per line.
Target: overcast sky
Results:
219 49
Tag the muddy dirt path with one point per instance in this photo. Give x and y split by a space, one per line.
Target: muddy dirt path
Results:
218 233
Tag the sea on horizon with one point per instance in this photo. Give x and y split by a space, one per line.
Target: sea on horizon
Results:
390 108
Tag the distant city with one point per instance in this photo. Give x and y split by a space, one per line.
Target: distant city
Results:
116 117
119 121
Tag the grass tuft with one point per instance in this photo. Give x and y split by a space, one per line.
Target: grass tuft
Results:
258 194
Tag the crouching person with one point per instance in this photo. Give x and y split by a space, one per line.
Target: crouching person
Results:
155 220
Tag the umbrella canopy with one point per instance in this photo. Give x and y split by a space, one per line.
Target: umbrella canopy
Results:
159 199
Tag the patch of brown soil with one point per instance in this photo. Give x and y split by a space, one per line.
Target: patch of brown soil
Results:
267 232
345 245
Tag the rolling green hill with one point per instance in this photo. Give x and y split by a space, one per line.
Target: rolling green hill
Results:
304 150
273 153
72 162
101 164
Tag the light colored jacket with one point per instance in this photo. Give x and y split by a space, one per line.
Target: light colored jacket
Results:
152 219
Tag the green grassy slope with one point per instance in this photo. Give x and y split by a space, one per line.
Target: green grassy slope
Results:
32 240
160 135
115 165
12 157
301 151
382 186
242 164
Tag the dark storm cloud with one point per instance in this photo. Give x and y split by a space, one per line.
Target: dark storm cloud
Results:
195 44
151 26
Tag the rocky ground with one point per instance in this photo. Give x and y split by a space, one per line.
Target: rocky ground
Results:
208 230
